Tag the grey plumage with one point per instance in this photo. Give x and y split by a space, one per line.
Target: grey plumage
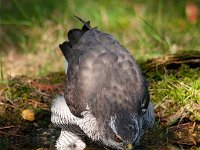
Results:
103 81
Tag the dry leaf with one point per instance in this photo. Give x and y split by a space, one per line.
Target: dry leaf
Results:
28 114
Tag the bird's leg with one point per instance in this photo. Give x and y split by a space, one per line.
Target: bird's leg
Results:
69 141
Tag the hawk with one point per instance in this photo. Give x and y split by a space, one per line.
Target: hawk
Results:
106 96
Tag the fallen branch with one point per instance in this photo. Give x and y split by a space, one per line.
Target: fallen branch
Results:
173 61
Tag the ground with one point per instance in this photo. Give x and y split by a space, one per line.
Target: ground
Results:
174 86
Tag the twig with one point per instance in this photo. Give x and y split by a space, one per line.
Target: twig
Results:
193 126
1 132
7 127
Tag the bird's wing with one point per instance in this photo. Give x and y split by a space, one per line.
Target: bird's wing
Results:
103 77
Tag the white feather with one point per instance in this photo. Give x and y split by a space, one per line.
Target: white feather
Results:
62 116
69 141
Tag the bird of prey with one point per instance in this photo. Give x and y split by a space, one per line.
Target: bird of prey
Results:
106 96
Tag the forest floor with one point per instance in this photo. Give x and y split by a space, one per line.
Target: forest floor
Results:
174 86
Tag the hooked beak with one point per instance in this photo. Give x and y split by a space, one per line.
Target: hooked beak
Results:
128 147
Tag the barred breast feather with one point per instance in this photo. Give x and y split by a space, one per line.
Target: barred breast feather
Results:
63 118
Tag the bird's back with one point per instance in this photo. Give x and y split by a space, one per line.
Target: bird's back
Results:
104 77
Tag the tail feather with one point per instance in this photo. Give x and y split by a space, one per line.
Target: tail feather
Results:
86 25
73 35
66 50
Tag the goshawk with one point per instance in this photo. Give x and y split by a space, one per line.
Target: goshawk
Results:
106 97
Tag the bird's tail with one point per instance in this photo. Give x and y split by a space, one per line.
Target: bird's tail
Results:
86 25
73 35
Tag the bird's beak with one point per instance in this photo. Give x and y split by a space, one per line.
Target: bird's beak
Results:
128 147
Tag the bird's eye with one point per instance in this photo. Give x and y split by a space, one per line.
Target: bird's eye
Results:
117 139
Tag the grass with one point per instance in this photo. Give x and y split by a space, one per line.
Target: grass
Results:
17 89
146 28
176 94
23 22
1 70
22 93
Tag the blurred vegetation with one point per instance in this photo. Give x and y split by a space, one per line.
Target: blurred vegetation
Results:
147 28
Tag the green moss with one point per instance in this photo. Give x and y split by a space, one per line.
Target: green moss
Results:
18 89
174 90
24 93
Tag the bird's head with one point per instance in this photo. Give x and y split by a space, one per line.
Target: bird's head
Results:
122 131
